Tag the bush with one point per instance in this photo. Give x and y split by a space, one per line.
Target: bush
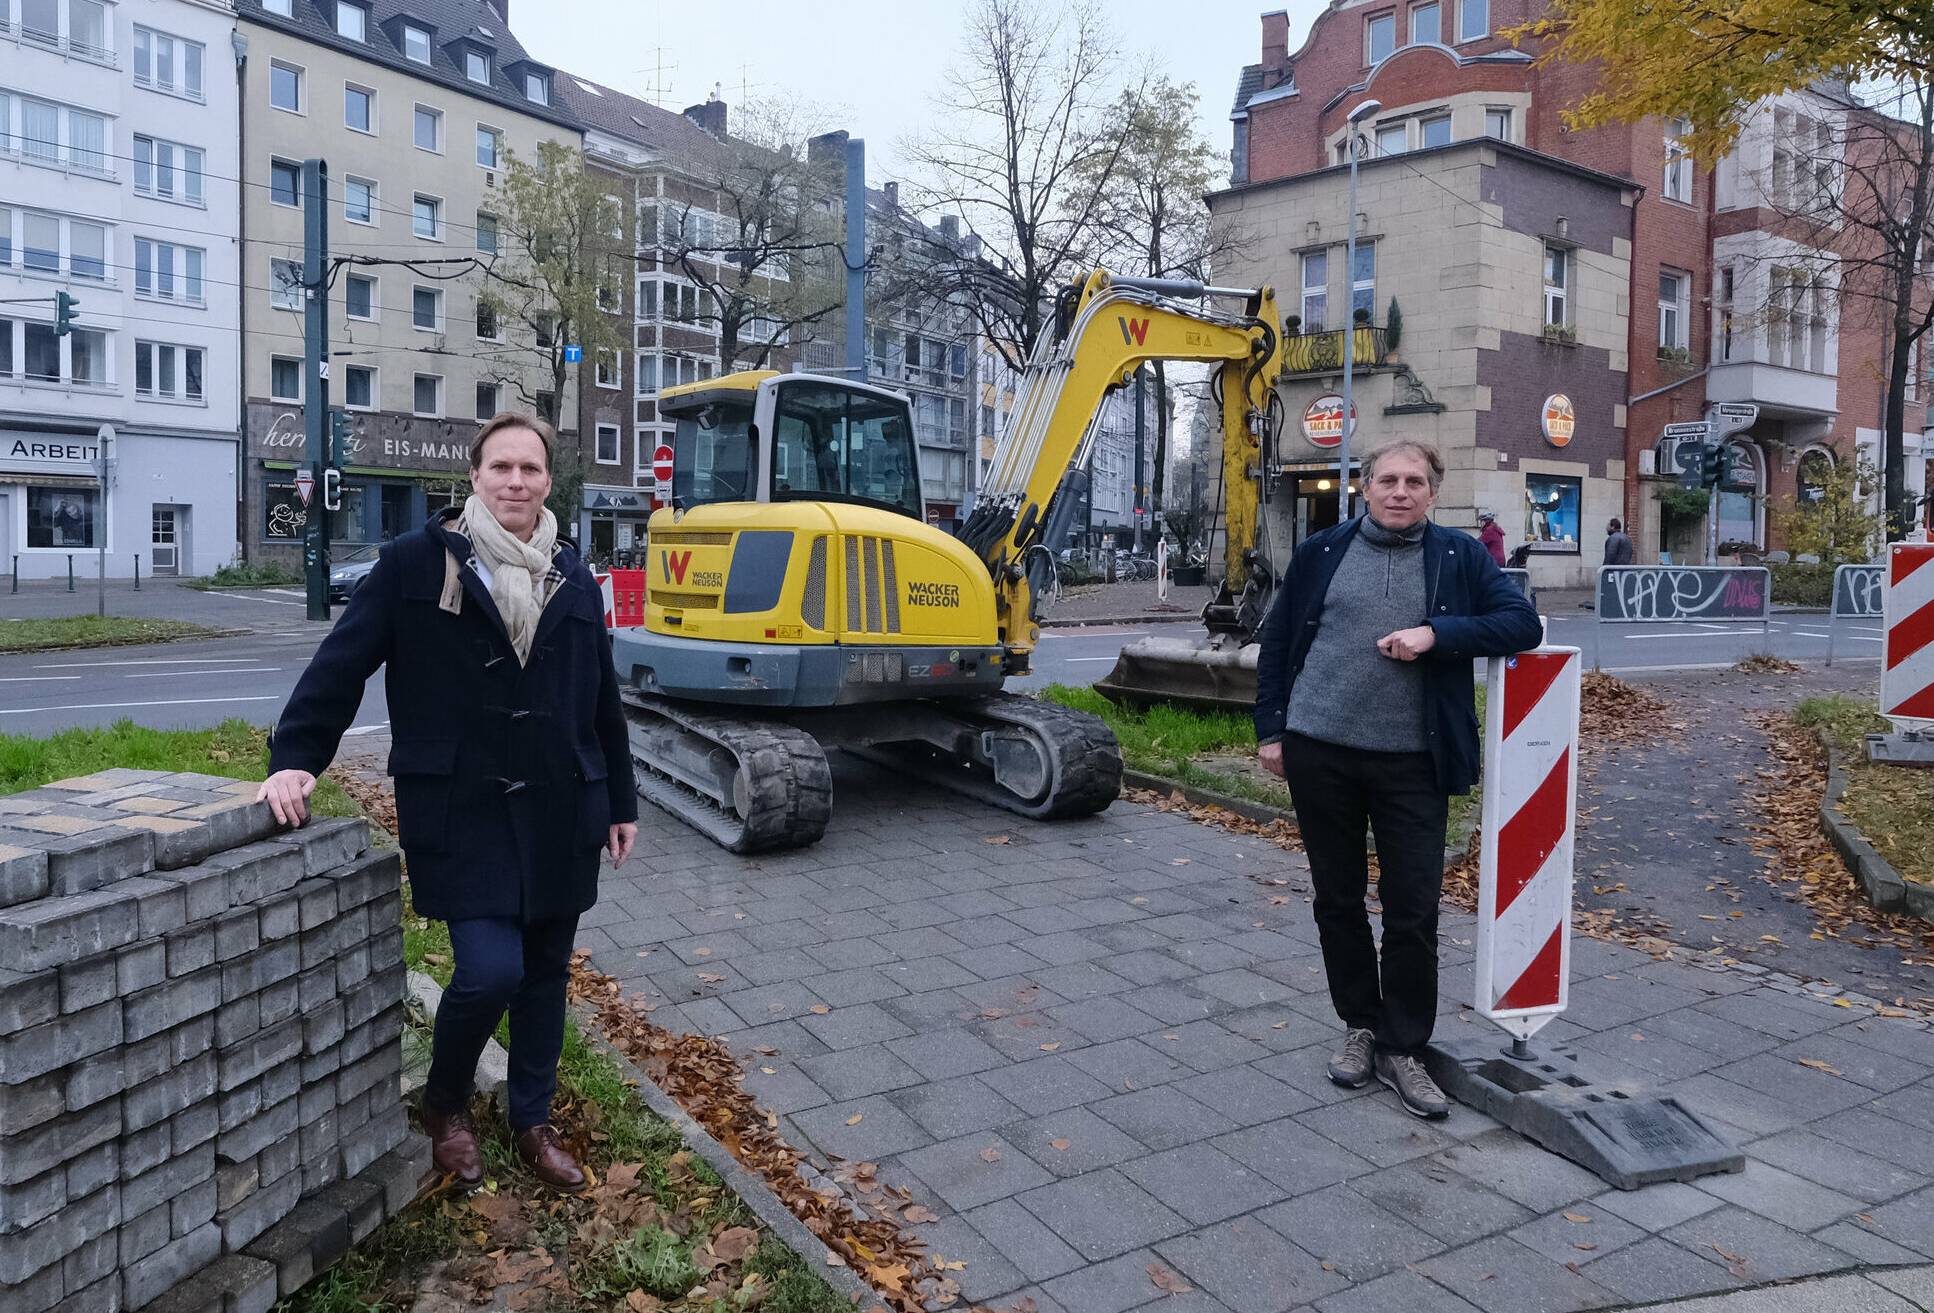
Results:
1802 585
253 574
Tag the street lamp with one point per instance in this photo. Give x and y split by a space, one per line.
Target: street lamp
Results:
1343 489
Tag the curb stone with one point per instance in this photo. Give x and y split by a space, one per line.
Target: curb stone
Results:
1161 618
1255 811
749 1186
1885 887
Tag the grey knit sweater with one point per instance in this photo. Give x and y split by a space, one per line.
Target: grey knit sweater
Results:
1348 692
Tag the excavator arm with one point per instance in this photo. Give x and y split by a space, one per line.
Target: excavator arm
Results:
1106 329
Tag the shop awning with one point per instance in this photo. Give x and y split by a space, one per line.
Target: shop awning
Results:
40 479
379 472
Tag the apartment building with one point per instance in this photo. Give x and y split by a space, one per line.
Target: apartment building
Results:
1702 310
414 106
117 187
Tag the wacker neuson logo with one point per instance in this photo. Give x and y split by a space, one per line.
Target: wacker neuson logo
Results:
924 594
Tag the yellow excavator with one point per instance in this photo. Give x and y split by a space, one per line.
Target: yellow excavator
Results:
797 600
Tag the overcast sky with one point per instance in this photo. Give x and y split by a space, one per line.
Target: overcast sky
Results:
875 60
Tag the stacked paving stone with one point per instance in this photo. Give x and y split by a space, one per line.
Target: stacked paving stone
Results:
200 1041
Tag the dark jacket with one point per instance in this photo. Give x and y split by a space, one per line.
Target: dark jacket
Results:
508 777
1475 610
1618 549
1493 539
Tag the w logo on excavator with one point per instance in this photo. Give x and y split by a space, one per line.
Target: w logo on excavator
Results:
1134 332
675 563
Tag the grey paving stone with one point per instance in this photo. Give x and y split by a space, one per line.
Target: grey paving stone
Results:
1202 1183
850 1027
1504 1276
988 1273
1916 1284
1279 1027
1665 1058
785 1089
1246 1095
1296 1158
1339 1226
960 1171
939 1055
1837 1167
1863 1064
1856 1241
1521 1170
1130 1064
1913 1105
1902 1038
1760 1250
1102 1214
1018 1236
1378 1129
1562 1240
1063 947
1756 1111
1147 966
1908 1221
922 974
1205 1046
1047 1084
950 1108
1102 1020
855 1073
1787 1199
1775 1014
1248 1266
934 1010
1306 1069
855 985
1026 1036
1176 1003
1656 1269
881 1131
1073 1141
1405 1291
1111 1287
1450 1206
1724 1039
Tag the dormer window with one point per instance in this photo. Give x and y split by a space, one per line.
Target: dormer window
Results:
476 66
537 88
352 21
416 44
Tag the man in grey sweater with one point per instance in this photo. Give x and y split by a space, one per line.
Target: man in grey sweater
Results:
1364 707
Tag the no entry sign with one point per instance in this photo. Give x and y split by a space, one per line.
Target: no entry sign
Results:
1907 660
1525 862
661 475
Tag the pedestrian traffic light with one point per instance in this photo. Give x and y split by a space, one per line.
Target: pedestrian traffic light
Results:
65 312
1713 465
338 438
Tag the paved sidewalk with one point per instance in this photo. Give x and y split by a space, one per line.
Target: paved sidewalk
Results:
1094 1046
1127 600
160 599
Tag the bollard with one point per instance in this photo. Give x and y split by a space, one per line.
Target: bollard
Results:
137 572
70 572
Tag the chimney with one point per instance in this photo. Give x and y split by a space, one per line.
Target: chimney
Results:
710 115
1275 38
828 148
892 190
950 227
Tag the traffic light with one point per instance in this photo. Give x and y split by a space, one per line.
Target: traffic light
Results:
65 312
338 438
1712 465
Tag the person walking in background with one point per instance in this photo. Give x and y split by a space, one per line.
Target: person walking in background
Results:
1491 535
1618 547
512 767
1364 707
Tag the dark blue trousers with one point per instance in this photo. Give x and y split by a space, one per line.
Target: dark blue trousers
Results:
503 965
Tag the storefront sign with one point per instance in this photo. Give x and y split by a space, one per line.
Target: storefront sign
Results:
49 454
1323 420
381 441
1560 420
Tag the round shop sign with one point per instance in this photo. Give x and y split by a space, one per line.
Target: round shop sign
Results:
1323 420
1559 419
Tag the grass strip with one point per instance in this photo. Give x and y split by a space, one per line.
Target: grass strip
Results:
72 631
1893 806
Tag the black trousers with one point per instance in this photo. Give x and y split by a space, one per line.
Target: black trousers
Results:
503 965
1339 793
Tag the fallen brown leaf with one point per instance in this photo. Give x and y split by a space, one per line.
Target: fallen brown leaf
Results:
1167 1280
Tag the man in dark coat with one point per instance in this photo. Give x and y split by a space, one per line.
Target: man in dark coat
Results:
512 770
1364 707
1618 545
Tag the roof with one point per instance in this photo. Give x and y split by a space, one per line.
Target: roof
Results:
1410 158
606 109
1246 86
448 21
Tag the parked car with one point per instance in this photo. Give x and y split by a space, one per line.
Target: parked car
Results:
346 573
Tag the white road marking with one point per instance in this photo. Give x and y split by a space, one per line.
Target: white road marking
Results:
153 661
1706 633
365 729
170 674
33 679
250 597
102 706
1808 633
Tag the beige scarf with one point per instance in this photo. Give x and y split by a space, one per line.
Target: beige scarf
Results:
518 570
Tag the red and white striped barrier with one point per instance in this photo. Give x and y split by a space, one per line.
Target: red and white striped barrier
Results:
1529 813
604 588
1907 660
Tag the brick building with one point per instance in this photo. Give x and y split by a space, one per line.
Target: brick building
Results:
1701 309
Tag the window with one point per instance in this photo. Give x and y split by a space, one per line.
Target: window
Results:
40 130
167 63
87 27
537 89
647 225
1474 20
426 217
1724 309
86 250
359 296
40 21
285 182
1497 122
359 200
487 233
87 357
1435 130
358 108
426 309
1316 291
40 246
490 147
1425 29
428 129
1551 509
607 452
352 21
427 395
486 400
1678 161
546 330
277 7
62 517
285 285
359 387
1557 287
609 375
1672 310
647 374
168 171
1363 282
826 440
168 271
1393 139
87 141
40 139
416 44
43 352
476 66
1381 37
1816 467
607 300
6 244
285 378
168 372
1741 499
1796 321
285 86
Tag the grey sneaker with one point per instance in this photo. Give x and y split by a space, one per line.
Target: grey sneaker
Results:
1415 1089
1351 1067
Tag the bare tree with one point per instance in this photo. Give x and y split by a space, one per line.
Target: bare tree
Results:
1033 132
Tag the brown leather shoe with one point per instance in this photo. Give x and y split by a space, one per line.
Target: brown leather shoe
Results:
541 1152
453 1146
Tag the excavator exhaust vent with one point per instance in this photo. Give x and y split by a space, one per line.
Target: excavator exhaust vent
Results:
812 606
870 607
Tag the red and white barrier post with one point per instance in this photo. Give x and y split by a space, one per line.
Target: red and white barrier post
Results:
1907 660
604 588
1530 811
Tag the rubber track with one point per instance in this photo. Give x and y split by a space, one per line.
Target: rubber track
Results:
792 784
1085 756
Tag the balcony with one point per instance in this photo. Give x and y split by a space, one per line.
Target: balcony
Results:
1779 389
1322 353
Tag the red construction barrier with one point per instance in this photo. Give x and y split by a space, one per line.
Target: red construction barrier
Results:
1525 861
1907 660
624 598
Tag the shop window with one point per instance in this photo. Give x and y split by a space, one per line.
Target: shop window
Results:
283 514
1552 504
62 517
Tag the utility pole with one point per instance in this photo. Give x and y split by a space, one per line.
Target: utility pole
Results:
103 438
1357 115
1140 474
854 258
315 383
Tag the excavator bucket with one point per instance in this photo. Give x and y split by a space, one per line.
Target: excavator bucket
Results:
1209 674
